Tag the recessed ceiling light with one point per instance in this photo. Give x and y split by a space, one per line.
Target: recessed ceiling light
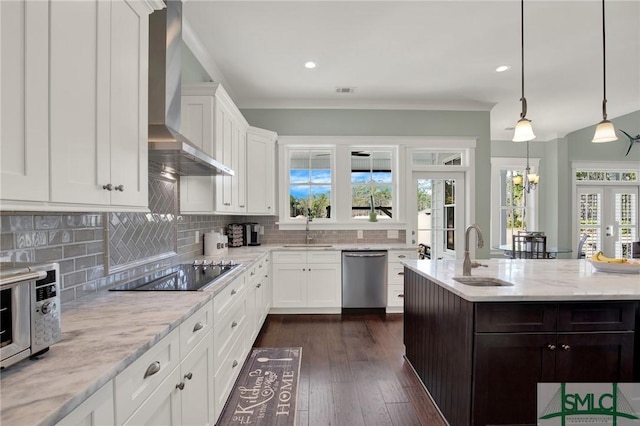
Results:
310 65
503 68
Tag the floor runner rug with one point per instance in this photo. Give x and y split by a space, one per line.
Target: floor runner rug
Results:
266 390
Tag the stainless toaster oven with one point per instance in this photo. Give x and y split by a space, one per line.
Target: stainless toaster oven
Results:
29 310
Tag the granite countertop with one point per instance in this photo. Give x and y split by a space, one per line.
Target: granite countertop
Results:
533 280
104 333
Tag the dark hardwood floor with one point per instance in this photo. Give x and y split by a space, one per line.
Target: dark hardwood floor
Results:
353 372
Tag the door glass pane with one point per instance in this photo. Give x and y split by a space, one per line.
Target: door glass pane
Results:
590 212
625 218
437 217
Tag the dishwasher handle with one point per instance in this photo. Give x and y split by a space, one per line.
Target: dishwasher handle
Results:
365 255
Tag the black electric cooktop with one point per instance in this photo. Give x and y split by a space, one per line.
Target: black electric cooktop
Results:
183 277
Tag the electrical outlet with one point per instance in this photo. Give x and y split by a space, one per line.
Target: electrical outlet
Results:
197 240
360 234
392 233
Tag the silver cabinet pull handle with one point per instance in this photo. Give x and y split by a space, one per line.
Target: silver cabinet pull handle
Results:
234 324
400 273
259 285
188 376
198 326
401 295
180 385
402 256
108 187
252 273
233 292
551 347
152 369
260 265
119 188
566 347
235 364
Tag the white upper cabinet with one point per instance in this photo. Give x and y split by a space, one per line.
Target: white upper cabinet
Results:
261 185
83 134
24 118
98 75
212 121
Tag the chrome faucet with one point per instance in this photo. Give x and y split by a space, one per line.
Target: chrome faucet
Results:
306 228
467 264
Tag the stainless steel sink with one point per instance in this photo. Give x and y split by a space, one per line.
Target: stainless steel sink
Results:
482 281
306 245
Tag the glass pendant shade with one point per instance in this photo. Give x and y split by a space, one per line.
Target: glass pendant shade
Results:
523 131
533 178
605 132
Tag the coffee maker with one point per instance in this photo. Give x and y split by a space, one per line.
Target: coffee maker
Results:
251 234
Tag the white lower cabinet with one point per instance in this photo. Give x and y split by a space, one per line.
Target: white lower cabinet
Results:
395 278
307 281
97 410
258 297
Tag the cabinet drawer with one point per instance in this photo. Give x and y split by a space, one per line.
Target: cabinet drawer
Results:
400 255
195 328
257 270
395 295
227 330
224 300
227 372
132 387
290 256
516 317
395 274
595 316
324 256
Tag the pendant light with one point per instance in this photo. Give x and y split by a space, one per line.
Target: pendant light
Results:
523 131
605 132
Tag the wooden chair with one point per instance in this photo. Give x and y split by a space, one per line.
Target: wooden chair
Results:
529 247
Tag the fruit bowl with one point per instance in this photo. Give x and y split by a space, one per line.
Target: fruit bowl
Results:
630 267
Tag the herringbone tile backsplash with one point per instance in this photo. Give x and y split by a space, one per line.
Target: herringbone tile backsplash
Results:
136 237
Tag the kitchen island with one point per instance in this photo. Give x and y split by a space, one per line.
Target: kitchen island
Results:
481 350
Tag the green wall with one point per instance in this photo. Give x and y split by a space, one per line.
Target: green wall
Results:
353 122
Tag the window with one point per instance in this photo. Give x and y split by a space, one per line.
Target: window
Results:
513 208
310 183
371 184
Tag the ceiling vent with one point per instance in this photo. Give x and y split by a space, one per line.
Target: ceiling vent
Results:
345 90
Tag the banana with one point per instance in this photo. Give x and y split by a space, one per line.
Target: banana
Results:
600 257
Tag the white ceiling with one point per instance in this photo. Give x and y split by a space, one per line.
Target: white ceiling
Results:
425 55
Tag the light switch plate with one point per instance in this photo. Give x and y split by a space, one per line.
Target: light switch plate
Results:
360 234
392 233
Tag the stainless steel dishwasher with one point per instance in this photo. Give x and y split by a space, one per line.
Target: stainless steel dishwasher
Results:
364 281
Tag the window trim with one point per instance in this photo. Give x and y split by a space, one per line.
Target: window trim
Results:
510 163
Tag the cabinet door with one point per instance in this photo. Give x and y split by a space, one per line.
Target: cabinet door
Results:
260 173
79 69
507 370
97 410
162 408
24 87
594 357
324 285
224 154
129 47
198 401
289 286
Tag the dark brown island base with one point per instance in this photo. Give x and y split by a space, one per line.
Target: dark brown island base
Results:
481 352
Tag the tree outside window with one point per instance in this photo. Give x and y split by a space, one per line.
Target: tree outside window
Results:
310 178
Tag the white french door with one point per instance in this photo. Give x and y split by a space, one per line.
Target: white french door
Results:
438 200
609 214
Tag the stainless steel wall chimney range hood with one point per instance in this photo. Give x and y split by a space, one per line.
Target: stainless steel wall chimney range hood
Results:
167 147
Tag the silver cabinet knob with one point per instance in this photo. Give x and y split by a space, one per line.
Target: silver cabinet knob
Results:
119 188
234 324
235 364
107 187
566 347
551 347
259 285
197 327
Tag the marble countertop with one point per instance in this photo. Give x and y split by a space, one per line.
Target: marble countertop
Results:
104 333
533 280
